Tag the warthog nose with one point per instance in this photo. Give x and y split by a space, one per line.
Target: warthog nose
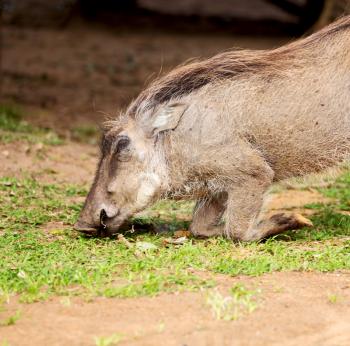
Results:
103 217
107 213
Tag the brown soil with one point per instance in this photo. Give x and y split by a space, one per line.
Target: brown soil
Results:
69 163
85 73
293 200
294 309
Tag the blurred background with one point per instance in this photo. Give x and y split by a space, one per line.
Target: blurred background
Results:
72 63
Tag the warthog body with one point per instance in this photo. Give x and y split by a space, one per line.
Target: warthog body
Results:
223 130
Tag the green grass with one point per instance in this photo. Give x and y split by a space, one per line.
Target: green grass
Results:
36 263
111 340
86 134
333 298
240 302
11 320
14 128
341 191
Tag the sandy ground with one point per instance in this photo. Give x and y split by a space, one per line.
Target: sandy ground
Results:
84 74
69 163
294 309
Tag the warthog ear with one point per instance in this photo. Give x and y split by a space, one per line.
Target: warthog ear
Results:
166 118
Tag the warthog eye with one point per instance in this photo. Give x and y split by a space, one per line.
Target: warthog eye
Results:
123 143
122 150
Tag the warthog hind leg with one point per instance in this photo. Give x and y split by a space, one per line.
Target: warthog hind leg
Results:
207 216
277 224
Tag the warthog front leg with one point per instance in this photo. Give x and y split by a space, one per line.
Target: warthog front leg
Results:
243 213
239 207
207 216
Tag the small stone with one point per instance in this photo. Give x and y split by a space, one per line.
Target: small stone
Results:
7 183
39 146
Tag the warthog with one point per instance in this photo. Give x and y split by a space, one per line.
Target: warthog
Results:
222 130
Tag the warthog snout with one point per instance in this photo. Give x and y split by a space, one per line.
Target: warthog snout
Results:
83 227
97 220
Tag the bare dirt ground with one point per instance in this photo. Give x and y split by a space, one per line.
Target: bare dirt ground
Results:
69 163
294 309
85 73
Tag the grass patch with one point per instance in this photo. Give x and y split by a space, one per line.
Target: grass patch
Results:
240 302
11 320
37 263
86 134
333 298
113 339
14 128
340 190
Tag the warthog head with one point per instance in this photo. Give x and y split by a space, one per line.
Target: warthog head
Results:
132 171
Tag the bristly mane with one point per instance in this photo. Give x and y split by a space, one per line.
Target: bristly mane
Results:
185 79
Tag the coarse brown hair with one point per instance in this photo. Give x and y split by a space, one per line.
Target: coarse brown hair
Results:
192 76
